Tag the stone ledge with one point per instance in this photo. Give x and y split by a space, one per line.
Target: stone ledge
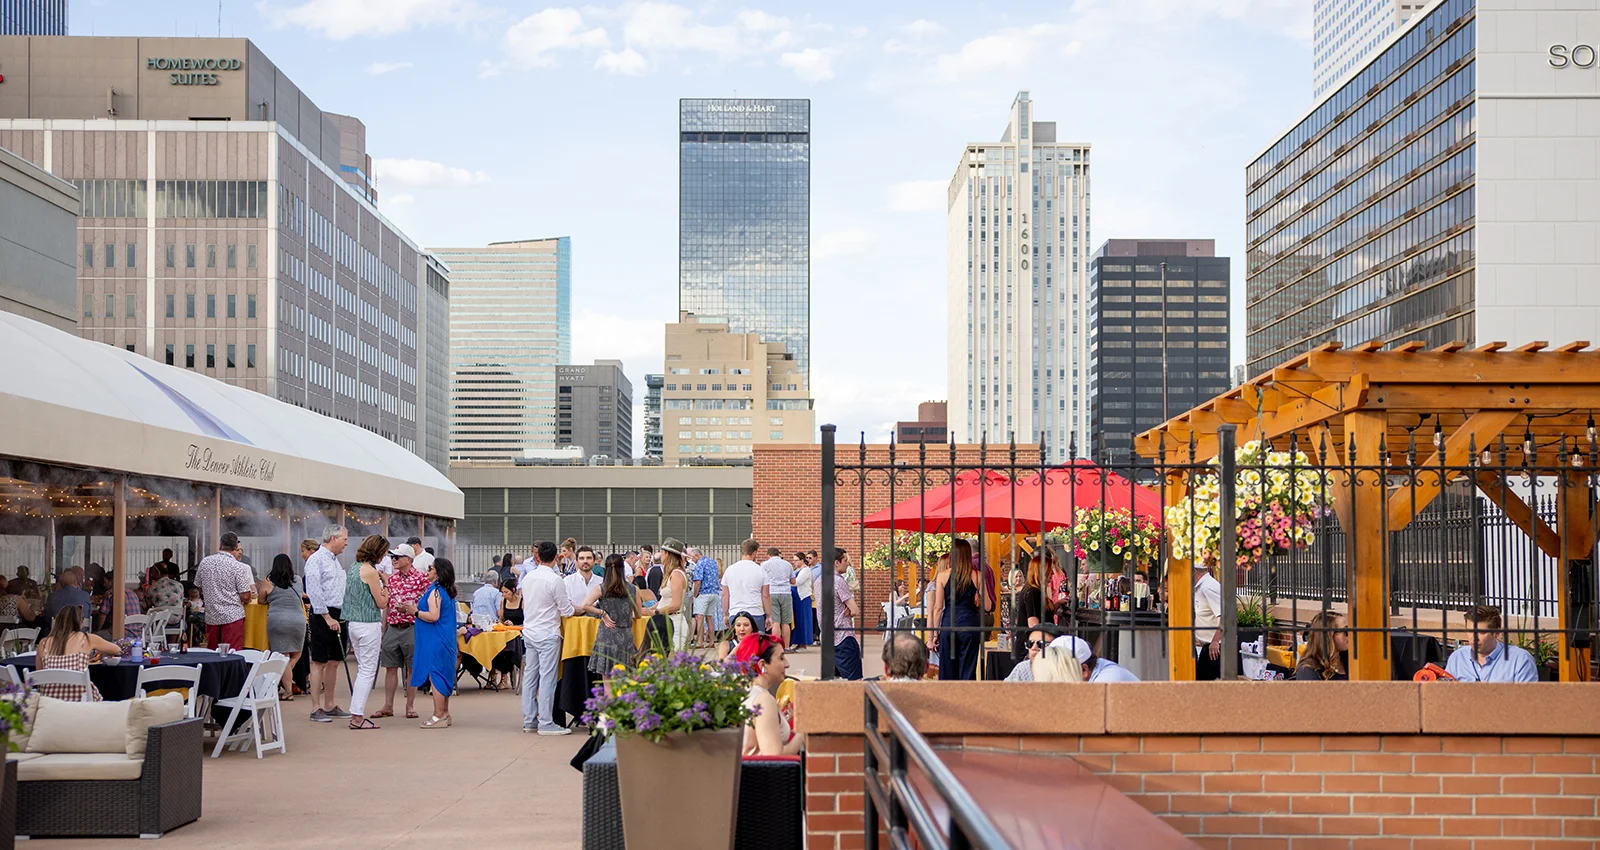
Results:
1188 708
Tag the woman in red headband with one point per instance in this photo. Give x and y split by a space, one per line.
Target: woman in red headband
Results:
771 731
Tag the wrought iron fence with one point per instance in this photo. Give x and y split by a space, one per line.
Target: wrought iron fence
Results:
1507 525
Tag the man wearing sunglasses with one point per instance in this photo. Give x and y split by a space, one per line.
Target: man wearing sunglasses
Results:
1034 640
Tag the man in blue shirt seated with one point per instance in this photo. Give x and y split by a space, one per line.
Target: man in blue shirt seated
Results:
1487 658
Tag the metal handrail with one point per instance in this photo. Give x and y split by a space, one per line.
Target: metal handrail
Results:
966 828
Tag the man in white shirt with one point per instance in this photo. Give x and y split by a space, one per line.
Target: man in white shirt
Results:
780 577
1207 625
544 603
486 600
424 557
325 580
583 579
745 588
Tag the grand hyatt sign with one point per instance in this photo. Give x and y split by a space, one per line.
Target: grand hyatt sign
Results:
193 72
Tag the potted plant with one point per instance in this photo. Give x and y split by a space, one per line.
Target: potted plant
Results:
13 722
1104 538
1254 617
1546 656
1278 498
675 717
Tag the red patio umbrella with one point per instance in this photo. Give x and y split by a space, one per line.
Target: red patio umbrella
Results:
931 511
1068 488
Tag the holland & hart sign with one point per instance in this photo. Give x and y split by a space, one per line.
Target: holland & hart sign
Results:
193 72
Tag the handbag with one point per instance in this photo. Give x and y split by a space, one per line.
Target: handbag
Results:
587 751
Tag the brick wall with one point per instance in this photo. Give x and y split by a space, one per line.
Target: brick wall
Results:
1233 792
786 508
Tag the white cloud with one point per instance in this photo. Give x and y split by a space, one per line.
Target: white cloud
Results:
627 61
341 19
1006 50
424 174
399 200
856 403
922 28
842 243
757 21
812 64
638 342
379 68
665 26
918 196
532 41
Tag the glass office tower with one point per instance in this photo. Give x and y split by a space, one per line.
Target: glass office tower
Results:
1361 219
33 17
744 217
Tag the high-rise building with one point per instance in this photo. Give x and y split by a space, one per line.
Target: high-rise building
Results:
216 231
510 326
1437 196
727 391
1343 32
744 218
33 17
38 244
1158 337
433 348
1018 274
594 409
931 425
652 415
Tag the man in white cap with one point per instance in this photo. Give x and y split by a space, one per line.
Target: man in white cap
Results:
399 640
1094 669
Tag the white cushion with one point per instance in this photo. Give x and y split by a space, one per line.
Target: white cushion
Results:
80 727
23 756
57 766
147 712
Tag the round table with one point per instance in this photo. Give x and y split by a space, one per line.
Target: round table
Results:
484 646
574 682
221 676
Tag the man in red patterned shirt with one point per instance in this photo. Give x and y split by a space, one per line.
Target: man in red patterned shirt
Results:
405 588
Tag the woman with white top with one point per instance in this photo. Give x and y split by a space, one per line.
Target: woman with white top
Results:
674 589
771 731
803 578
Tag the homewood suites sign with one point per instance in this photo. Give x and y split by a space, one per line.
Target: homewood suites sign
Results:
193 72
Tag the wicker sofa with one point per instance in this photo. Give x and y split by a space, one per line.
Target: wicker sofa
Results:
110 792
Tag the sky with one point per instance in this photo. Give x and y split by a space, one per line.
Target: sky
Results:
490 121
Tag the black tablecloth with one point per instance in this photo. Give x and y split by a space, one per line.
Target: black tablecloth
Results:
572 689
997 664
221 676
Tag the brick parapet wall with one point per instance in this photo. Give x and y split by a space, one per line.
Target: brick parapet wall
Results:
786 505
1436 766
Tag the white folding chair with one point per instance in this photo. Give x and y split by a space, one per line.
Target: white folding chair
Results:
259 696
17 642
175 623
60 677
252 656
140 620
171 676
8 674
155 631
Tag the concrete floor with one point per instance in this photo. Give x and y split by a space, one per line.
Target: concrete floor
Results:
480 782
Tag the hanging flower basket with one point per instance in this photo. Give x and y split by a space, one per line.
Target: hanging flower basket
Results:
1278 499
1105 539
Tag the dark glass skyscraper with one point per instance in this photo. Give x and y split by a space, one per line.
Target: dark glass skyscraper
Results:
744 217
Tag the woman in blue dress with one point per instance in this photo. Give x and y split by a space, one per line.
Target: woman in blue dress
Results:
434 659
960 593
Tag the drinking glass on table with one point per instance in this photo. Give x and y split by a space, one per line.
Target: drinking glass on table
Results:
224 648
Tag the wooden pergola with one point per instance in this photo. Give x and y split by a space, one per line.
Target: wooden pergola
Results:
1349 407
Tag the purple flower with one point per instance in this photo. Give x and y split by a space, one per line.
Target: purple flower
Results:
686 715
699 706
651 721
640 712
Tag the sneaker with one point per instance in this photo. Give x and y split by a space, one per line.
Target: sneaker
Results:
336 711
321 716
530 729
554 730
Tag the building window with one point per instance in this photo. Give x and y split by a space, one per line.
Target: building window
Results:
111 255
232 312
111 305
775 435
211 256
172 255
250 356
188 356
170 309
233 256
188 256
188 305
249 306
88 255
169 354
133 256
211 306
129 346
211 356
133 304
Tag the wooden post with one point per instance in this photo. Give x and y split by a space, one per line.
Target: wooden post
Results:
289 546
51 553
1180 597
1577 542
119 555
386 535
422 530
216 521
1365 545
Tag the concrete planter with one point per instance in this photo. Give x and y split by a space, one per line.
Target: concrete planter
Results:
655 816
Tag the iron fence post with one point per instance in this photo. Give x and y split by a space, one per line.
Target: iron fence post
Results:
1227 556
825 616
869 768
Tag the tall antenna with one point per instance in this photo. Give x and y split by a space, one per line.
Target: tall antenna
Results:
219 18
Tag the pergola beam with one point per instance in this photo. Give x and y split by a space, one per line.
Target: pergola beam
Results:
1365 543
1520 514
1444 369
1478 430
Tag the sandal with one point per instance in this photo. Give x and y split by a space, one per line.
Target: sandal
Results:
285 696
366 723
436 722
382 712
411 714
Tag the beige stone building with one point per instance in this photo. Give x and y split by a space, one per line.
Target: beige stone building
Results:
727 392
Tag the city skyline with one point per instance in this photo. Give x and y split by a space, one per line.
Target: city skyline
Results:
892 93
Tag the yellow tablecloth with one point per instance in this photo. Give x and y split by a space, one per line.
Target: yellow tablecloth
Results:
484 646
578 634
255 626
